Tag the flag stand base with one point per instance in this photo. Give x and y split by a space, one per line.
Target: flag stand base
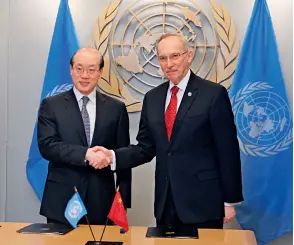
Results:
103 243
170 232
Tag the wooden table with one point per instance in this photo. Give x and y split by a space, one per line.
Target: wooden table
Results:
135 236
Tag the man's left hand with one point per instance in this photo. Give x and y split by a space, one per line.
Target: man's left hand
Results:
230 214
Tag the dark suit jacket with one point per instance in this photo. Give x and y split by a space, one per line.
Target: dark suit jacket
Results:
62 141
201 162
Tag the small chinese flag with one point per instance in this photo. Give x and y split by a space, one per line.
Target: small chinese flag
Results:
117 212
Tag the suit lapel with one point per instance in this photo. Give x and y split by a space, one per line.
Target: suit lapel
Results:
189 96
160 111
100 117
72 107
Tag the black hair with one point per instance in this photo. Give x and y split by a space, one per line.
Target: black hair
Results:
101 64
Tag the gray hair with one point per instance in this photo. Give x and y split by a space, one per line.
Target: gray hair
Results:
179 35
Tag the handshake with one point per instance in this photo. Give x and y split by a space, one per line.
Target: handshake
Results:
99 157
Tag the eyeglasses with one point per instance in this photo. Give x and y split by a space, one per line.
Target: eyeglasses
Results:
80 70
172 57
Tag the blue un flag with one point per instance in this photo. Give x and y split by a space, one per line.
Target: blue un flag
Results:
75 210
57 79
264 122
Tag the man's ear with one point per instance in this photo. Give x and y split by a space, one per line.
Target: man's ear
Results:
70 69
190 55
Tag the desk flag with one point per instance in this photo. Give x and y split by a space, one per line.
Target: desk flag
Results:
75 210
118 213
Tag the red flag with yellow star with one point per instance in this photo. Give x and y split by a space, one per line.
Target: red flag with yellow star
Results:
118 213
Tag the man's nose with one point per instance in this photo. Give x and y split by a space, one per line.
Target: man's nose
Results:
85 74
169 62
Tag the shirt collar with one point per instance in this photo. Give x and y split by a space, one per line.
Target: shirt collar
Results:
79 95
182 84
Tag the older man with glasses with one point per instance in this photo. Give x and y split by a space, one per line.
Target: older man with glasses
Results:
188 124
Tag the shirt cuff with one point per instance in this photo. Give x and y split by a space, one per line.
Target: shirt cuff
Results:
113 165
230 204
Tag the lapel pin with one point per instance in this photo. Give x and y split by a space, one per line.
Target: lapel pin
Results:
189 94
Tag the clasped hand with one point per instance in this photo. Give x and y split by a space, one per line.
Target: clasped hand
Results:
99 157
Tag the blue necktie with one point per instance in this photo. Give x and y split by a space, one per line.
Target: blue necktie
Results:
86 118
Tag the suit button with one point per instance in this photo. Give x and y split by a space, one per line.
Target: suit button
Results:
169 154
166 178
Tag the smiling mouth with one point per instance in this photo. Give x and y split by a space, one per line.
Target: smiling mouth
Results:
84 83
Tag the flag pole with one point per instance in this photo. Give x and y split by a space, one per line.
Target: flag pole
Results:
76 190
103 230
117 189
90 228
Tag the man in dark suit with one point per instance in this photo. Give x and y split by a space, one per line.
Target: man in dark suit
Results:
188 124
70 125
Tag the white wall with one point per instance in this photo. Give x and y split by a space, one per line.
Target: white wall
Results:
26 28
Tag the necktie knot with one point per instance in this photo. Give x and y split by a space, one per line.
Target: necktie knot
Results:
174 90
85 100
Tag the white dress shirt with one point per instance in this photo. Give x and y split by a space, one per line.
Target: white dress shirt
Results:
182 87
91 108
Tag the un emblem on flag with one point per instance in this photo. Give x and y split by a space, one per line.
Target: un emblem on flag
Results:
75 209
264 120
60 89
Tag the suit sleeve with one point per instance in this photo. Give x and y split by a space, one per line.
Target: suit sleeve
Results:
144 151
227 146
50 145
124 177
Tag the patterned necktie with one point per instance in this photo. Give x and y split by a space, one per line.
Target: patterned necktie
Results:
171 112
86 118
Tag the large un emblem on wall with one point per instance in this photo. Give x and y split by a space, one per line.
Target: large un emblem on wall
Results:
264 120
133 46
128 43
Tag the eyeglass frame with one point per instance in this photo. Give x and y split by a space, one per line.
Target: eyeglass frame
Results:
176 57
85 69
